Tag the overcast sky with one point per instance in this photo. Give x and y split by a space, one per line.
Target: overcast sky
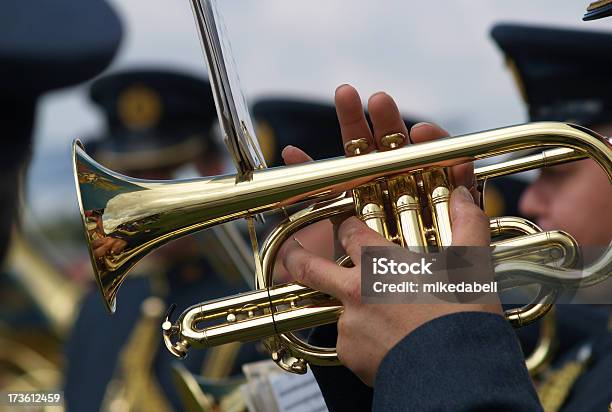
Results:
434 57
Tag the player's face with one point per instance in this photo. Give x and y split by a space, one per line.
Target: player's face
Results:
575 197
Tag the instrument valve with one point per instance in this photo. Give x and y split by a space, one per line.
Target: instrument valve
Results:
393 141
356 147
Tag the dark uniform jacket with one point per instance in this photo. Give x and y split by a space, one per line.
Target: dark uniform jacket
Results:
470 361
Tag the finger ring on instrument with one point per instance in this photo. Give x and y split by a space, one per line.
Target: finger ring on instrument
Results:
393 140
356 146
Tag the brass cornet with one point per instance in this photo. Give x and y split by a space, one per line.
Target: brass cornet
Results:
126 218
403 193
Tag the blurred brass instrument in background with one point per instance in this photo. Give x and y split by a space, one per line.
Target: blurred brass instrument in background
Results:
33 362
402 192
55 295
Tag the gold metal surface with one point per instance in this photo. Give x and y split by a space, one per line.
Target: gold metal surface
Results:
393 140
356 146
436 183
370 207
542 355
250 316
546 158
404 194
126 218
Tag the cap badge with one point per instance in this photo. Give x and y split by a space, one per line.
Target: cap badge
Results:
139 107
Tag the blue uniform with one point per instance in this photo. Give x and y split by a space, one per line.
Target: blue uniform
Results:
471 361
460 362
98 339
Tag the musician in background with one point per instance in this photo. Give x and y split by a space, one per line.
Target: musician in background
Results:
562 76
159 127
44 46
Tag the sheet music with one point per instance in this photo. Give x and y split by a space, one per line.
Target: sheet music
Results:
270 389
297 393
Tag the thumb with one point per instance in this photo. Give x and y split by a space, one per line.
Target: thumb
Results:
470 225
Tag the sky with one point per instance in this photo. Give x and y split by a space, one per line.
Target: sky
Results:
435 58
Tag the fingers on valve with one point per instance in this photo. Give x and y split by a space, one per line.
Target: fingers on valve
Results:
389 128
353 123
